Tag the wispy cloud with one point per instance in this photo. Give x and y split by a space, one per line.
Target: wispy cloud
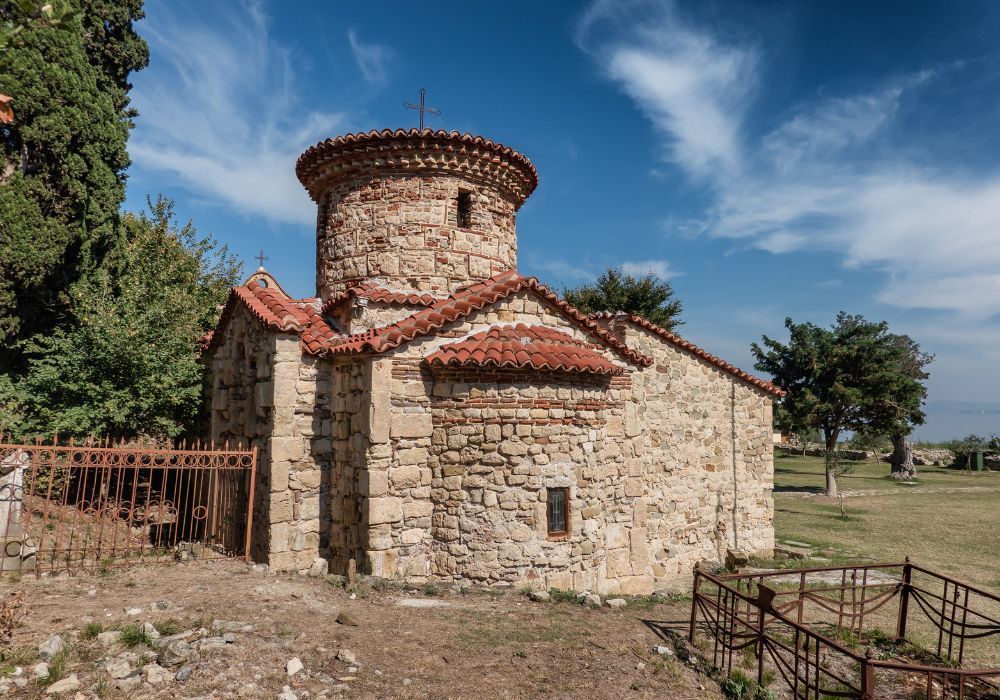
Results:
372 59
641 268
221 112
825 178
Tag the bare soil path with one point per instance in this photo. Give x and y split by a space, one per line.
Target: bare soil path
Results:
478 645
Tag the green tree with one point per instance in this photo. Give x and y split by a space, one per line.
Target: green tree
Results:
130 364
648 296
855 376
62 165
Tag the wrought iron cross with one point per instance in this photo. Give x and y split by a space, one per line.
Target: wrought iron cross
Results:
422 109
261 257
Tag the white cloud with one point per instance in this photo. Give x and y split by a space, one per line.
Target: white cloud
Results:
692 87
221 112
825 179
641 268
371 58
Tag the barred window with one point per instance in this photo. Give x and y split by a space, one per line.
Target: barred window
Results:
558 511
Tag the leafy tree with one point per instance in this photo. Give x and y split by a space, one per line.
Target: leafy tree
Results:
63 158
129 365
855 376
648 296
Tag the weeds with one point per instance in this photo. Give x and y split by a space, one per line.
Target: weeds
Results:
91 630
167 627
557 595
57 668
431 590
133 636
11 611
739 686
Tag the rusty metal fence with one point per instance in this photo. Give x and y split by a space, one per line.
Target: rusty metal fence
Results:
880 631
96 506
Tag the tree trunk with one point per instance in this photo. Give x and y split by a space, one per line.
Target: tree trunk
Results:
831 467
902 459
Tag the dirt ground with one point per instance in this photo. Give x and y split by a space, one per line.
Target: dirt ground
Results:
473 644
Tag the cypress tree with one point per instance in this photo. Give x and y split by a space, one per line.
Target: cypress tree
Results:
63 158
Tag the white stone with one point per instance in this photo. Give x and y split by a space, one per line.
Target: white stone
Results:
293 666
69 684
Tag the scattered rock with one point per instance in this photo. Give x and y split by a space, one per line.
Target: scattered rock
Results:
231 626
293 666
640 666
118 668
184 673
174 653
50 647
591 599
259 568
155 674
40 670
108 638
129 682
406 681
160 605
736 559
150 631
69 684
422 603
346 618
539 596
287 694
347 656
663 651
616 603
319 568
210 643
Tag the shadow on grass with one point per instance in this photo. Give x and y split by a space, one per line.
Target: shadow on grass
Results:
797 489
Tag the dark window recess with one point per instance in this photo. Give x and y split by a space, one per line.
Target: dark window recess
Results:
464 209
558 511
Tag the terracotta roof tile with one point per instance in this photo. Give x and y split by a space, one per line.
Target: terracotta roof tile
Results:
373 292
690 347
466 301
277 312
523 347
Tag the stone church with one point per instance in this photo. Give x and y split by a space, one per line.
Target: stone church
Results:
433 414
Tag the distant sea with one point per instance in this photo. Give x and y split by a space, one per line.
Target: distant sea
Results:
947 420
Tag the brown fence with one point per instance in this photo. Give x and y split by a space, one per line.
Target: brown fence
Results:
95 506
872 631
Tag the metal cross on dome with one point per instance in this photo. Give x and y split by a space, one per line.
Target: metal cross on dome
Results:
261 257
422 109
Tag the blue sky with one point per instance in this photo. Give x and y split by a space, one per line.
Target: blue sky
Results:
770 159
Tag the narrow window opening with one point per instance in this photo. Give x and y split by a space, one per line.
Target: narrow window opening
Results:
464 209
558 511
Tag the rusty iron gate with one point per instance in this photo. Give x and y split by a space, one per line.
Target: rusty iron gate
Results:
97 505
840 632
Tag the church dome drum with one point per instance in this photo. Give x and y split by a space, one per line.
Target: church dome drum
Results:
426 210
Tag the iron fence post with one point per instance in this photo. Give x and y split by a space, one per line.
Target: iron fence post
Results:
867 676
904 601
694 601
760 646
253 480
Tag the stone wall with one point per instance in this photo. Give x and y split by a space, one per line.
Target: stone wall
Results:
266 392
401 231
703 437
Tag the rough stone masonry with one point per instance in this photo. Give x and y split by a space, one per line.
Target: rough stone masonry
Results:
433 414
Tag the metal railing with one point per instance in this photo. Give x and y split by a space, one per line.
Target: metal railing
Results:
101 505
822 630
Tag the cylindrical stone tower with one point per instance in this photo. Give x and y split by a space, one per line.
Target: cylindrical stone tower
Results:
414 210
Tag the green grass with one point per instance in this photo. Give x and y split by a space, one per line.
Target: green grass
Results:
133 636
954 534
91 630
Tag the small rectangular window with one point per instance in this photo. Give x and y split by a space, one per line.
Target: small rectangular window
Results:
464 209
558 511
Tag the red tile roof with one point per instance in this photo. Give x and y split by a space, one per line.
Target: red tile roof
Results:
678 341
523 347
466 301
415 150
277 312
373 292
